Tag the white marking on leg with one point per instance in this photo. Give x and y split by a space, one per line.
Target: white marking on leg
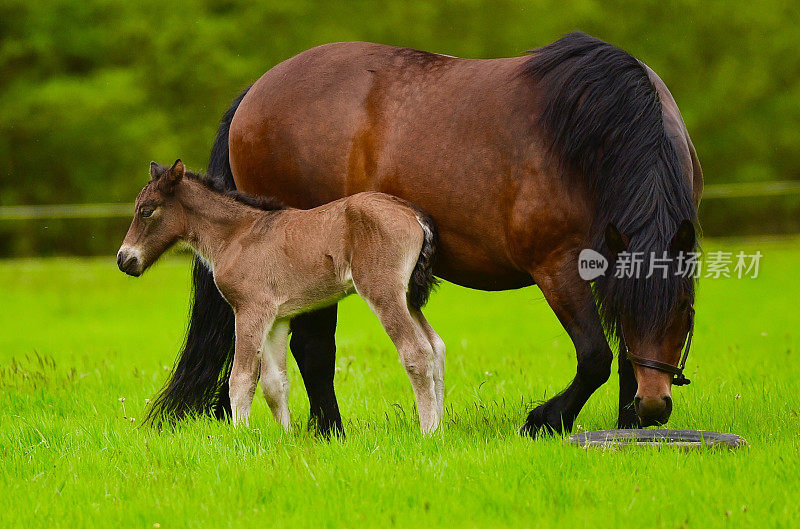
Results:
418 363
439 352
241 395
439 355
416 354
274 381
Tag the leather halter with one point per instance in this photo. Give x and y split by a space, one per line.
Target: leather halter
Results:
679 379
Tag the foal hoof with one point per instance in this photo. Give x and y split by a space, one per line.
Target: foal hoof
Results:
539 424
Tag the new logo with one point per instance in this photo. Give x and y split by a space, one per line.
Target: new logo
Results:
591 264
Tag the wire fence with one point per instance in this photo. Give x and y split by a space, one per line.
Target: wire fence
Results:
65 211
752 189
110 210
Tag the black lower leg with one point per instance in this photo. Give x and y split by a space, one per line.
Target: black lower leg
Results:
573 303
313 346
558 414
627 392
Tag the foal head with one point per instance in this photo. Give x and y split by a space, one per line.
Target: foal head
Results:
651 314
158 220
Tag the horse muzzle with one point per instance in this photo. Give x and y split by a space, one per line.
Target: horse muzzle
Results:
129 260
653 410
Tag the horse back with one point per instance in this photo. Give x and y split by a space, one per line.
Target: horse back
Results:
453 136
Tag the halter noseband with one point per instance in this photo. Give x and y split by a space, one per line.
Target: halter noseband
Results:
679 379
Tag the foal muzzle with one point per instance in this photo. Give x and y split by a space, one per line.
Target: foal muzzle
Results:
129 261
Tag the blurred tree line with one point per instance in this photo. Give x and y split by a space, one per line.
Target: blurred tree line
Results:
91 91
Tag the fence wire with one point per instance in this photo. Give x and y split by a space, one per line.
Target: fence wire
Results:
94 211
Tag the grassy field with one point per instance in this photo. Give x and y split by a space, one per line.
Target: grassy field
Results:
77 337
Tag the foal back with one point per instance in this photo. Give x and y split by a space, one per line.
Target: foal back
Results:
370 243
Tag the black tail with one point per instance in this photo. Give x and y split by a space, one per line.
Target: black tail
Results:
199 380
422 280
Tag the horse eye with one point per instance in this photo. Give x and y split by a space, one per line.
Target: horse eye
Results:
146 212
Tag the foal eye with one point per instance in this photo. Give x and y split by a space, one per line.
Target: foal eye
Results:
146 212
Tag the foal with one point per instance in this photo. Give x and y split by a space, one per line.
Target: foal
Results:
272 263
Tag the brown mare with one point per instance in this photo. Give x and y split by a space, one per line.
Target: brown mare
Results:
522 162
272 263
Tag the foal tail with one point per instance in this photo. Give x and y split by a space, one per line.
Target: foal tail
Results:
422 280
198 384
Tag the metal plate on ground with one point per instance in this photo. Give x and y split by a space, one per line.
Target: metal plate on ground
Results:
687 439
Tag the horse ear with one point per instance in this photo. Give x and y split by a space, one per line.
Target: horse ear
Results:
171 177
616 241
156 171
684 239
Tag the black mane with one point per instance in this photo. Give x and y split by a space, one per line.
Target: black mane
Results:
262 203
604 120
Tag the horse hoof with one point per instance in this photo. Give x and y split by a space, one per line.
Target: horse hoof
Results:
530 430
539 425
628 420
628 424
326 429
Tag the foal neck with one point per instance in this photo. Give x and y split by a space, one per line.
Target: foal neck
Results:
213 219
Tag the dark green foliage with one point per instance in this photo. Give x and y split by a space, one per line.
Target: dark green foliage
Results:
90 92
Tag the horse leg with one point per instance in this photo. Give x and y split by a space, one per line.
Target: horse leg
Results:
416 353
627 392
439 354
274 382
573 303
251 327
313 345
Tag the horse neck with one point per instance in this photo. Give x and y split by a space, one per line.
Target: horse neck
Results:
213 220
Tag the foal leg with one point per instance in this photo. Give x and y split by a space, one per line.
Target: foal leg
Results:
274 382
416 353
251 326
313 346
571 299
439 354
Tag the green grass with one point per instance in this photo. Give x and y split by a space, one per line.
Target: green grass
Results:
77 335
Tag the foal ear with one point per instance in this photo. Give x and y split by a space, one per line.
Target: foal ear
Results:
171 177
615 240
156 170
177 170
684 239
